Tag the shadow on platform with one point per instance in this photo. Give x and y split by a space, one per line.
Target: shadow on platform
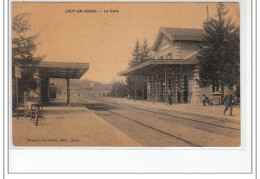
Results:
99 106
61 103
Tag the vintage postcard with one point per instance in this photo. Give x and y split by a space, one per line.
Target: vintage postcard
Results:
125 74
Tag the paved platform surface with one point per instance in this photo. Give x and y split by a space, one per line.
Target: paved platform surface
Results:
198 109
78 126
153 127
68 126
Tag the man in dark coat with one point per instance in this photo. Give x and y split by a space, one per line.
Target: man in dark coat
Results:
228 103
179 95
170 96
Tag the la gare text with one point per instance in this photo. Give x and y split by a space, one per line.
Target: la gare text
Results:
92 11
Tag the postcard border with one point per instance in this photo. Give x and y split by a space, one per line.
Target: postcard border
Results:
8 96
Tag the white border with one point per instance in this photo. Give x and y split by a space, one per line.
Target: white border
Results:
122 160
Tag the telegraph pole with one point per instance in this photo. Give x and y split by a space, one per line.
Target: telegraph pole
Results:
207 13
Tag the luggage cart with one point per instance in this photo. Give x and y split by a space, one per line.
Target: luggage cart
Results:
37 113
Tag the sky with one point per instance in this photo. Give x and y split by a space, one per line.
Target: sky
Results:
106 39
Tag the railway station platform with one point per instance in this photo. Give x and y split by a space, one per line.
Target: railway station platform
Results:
74 126
187 108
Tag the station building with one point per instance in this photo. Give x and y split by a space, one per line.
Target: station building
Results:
174 67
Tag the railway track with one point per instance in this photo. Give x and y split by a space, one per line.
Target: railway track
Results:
148 126
166 125
198 118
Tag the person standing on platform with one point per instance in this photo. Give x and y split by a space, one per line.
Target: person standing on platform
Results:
179 95
205 99
228 103
170 96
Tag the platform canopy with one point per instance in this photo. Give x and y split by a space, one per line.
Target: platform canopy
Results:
153 65
63 69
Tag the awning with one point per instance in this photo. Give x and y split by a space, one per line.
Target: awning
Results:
147 67
62 69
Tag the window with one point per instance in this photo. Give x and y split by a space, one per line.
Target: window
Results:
216 86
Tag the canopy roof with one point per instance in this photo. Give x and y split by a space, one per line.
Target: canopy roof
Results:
151 65
62 69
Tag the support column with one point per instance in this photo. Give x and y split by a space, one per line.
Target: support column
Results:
177 84
152 89
44 90
148 83
68 90
48 89
175 79
165 84
157 88
196 89
135 87
143 88
180 84
17 98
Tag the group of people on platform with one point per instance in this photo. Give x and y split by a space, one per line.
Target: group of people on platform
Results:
229 100
170 96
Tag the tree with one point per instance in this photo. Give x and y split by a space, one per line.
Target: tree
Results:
136 54
119 89
140 55
219 53
145 52
23 48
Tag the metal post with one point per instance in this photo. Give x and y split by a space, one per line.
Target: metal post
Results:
176 85
152 89
143 88
207 14
157 88
68 90
181 83
148 84
17 98
165 85
135 87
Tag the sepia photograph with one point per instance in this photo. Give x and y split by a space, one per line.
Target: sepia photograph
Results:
125 74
